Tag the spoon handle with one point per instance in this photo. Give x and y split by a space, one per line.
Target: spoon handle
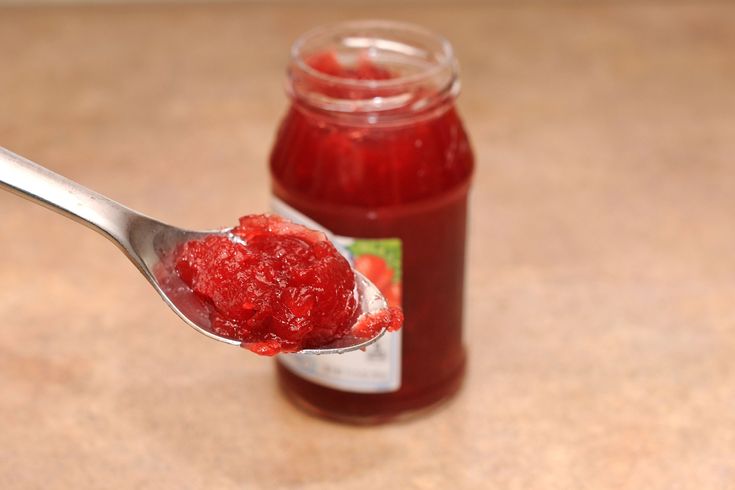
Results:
42 186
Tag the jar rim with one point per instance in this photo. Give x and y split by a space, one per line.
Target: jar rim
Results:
445 61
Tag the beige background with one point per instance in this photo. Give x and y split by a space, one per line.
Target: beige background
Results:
601 285
332 3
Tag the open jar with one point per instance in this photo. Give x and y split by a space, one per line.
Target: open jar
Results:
373 151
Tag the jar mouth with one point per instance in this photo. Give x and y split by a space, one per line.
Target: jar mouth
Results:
361 35
372 66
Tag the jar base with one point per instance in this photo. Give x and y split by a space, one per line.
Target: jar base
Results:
416 408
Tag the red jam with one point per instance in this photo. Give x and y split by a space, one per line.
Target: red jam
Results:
405 174
285 288
371 325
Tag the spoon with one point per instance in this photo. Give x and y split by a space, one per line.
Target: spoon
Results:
147 242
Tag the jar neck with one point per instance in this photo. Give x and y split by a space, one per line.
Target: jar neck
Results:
372 73
411 109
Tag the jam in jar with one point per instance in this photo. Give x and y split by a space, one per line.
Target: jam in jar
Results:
373 152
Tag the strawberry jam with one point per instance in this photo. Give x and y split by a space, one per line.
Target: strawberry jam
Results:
281 288
372 148
371 325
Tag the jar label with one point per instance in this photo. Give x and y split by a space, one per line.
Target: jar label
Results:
378 368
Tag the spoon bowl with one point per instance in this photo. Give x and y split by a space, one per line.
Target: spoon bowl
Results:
149 244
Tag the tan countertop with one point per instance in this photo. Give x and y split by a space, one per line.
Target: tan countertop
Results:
601 304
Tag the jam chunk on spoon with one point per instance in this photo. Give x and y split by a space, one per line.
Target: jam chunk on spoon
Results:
276 286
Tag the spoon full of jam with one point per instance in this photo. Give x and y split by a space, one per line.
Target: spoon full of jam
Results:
268 285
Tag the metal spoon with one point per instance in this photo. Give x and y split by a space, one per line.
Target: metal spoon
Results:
147 242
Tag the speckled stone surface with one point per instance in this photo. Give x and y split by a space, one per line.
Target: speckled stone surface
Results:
601 288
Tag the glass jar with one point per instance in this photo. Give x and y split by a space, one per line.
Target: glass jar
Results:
372 150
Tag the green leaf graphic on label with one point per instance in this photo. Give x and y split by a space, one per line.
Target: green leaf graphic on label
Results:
388 248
